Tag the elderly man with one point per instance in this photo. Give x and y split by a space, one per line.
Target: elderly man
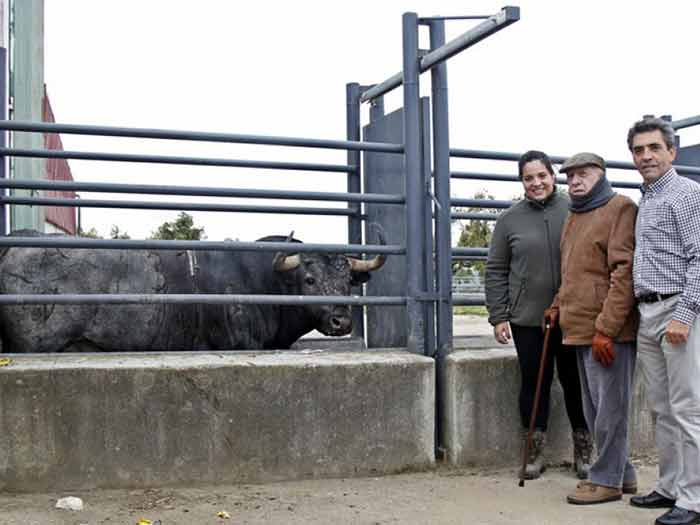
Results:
595 309
667 286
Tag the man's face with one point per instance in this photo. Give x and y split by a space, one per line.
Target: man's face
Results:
651 155
537 181
581 180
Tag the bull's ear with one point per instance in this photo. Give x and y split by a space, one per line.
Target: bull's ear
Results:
357 278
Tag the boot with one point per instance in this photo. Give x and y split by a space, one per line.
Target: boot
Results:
535 458
583 450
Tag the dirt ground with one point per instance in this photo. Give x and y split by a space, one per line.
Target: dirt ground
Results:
441 496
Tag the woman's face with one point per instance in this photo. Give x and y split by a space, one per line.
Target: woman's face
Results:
537 181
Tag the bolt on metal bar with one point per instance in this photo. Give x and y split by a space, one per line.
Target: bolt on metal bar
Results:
186 206
556 159
165 159
118 244
493 24
195 191
146 133
686 122
141 299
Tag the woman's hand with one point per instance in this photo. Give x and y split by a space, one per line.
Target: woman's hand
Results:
502 332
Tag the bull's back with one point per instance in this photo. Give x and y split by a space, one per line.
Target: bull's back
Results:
52 328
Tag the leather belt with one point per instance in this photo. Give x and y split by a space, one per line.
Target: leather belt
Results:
655 297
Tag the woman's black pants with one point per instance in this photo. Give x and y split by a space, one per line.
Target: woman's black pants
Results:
528 344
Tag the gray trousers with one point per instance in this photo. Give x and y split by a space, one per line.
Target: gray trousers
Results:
606 395
672 378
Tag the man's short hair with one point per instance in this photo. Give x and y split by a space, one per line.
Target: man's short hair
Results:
653 124
531 156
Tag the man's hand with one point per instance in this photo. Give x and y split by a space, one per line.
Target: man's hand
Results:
502 332
603 349
677 332
551 316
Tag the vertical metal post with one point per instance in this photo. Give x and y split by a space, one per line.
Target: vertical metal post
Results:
428 283
3 134
352 120
415 236
441 170
443 240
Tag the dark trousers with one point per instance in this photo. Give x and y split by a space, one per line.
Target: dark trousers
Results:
528 344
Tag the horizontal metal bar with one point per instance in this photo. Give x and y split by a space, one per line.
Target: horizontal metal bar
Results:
424 19
480 203
476 216
556 159
147 133
514 178
500 20
469 257
165 159
686 122
470 251
140 299
62 242
187 206
505 17
196 191
468 300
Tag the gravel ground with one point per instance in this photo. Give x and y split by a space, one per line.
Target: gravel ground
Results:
441 496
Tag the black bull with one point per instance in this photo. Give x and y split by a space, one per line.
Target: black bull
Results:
97 328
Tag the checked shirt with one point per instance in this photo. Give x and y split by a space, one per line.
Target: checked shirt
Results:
667 252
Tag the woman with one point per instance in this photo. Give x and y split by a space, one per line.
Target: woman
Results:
522 277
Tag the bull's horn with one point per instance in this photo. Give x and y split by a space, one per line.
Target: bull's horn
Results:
284 263
358 265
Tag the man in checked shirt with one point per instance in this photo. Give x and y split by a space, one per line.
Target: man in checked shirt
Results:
667 287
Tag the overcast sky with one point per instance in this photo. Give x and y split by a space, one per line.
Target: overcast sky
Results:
569 76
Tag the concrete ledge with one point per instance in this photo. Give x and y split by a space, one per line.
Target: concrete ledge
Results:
481 422
135 420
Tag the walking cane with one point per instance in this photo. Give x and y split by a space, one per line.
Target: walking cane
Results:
533 414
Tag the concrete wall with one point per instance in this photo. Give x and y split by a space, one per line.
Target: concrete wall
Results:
481 422
117 420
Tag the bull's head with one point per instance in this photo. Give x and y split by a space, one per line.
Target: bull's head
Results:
327 274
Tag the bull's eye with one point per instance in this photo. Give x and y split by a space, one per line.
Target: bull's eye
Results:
310 281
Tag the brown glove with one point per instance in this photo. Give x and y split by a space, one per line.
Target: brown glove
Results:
551 316
603 349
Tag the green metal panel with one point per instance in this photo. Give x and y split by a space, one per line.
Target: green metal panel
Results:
27 79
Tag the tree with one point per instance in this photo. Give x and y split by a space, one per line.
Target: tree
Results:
181 229
116 233
474 234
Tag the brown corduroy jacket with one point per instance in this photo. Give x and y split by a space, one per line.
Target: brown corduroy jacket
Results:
596 292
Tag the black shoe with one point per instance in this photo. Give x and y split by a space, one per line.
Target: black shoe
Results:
678 516
653 500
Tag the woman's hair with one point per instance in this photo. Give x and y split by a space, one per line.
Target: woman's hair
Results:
533 155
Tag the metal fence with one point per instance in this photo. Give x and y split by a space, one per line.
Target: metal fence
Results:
422 301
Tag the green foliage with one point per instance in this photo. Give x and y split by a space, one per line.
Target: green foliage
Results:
474 234
181 229
90 234
116 233
470 310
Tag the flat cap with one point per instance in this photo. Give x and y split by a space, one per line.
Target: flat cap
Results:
582 159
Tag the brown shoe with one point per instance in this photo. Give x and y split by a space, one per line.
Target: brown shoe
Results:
588 493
